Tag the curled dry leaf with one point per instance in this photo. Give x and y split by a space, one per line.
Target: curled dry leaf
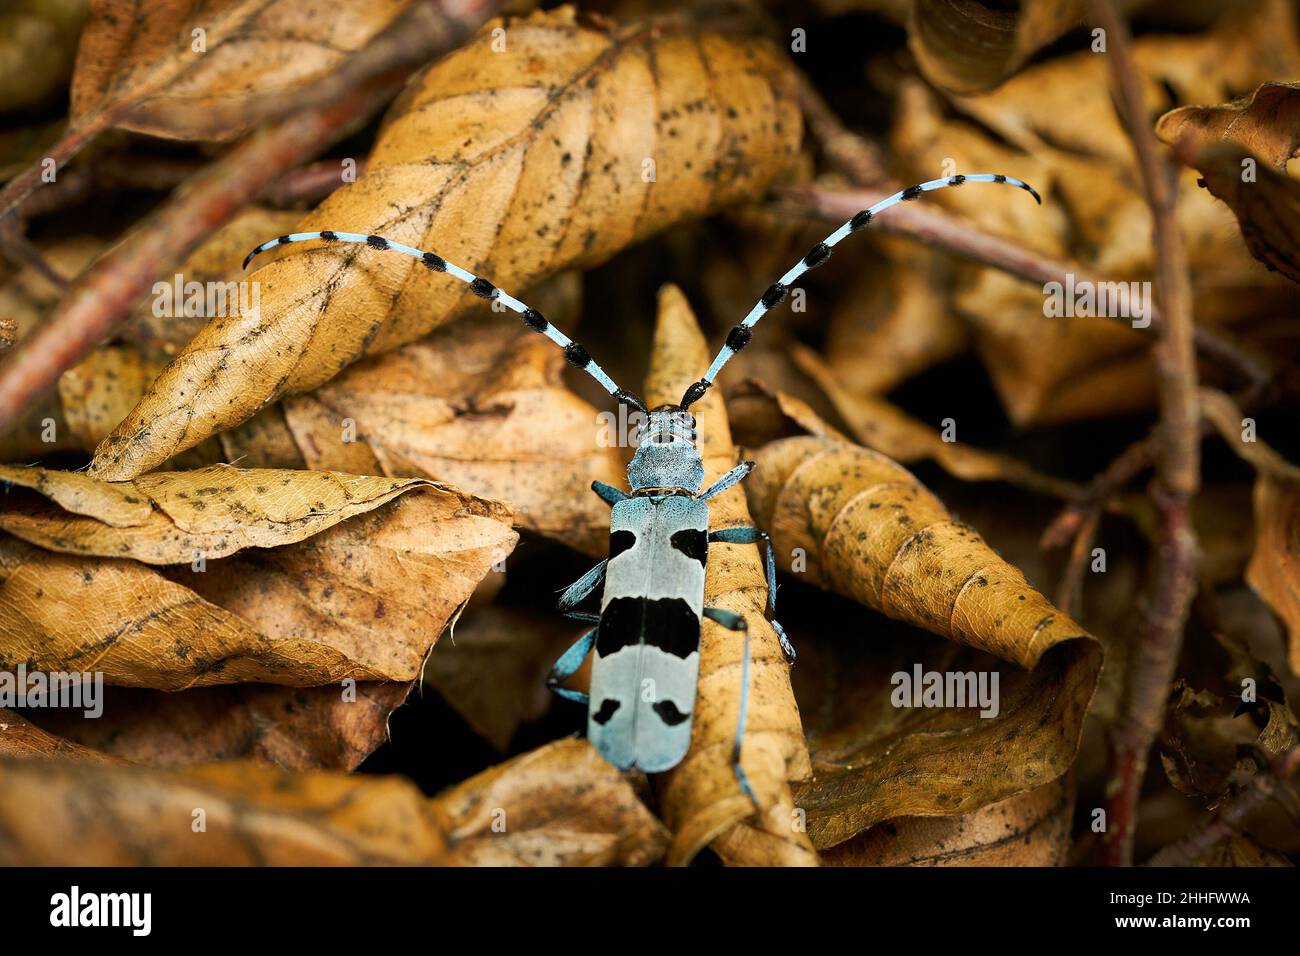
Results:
1242 149
857 523
210 69
877 756
1029 829
560 126
1265 123
871 531
565 807
478 404
364 599
972 46
700 799
1266 201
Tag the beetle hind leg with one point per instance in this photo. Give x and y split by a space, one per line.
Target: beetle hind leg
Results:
735 622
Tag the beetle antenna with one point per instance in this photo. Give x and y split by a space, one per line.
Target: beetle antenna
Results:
575 353
739 336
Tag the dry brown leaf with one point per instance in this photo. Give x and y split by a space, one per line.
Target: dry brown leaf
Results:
1265 123
163 324
1274 569
875 759
1267 205
478 404
176 517
699 798
563 806
1049 367
1064 103
364 599
19 737
294 728
560 126
853 521
38 41
145 73
968 45
893 321
25 299
1029 829
882 426
492 669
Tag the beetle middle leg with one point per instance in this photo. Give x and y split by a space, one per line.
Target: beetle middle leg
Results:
749 535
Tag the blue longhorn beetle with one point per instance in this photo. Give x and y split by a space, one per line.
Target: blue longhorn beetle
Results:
647 634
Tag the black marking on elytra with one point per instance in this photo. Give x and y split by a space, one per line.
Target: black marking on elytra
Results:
860 220
774 294
577 355
328 235
376 242
956 180
669 713
693 543
695 392
817 255
483 289
666 623
912 192
738 338
620 541
535 320
434 262
608 708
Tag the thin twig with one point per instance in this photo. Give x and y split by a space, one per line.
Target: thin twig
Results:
1068 594
1177 480
1264 787
308 184
106 293
19 250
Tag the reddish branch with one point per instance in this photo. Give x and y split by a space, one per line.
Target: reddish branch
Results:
1177 479
107 292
